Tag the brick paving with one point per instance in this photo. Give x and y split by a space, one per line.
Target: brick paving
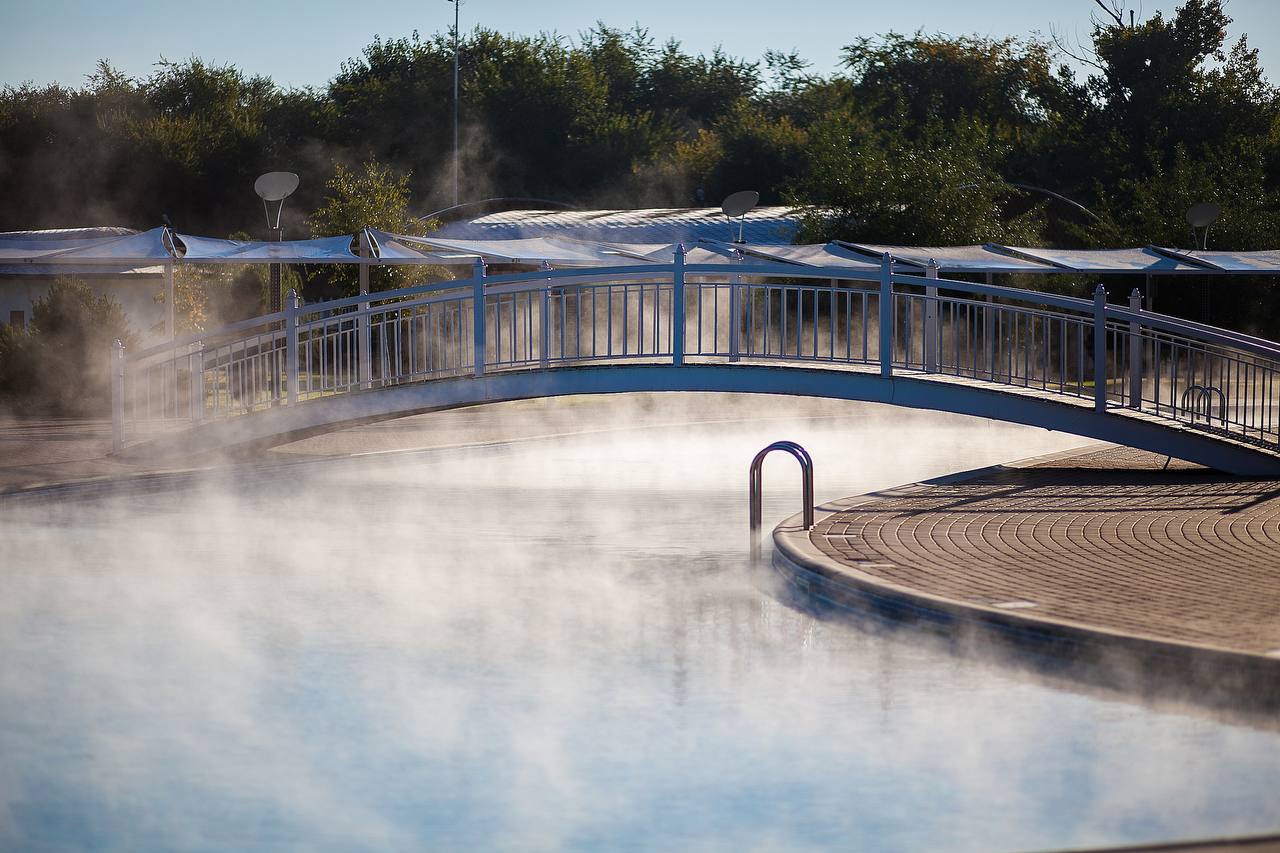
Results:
1108 539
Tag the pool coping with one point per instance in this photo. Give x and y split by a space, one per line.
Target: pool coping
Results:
1118 658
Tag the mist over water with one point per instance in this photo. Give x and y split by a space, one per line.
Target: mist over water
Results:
556 644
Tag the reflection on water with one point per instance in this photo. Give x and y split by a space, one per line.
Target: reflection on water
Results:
543 646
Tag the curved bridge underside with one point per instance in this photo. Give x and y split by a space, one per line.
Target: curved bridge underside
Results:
1033 408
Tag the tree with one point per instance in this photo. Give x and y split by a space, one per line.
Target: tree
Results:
60 365
373 197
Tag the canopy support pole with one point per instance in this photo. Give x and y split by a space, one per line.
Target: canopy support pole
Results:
170 308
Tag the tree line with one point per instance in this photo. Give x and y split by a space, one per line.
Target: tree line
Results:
924 138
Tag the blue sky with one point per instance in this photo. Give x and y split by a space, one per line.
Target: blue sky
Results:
303 43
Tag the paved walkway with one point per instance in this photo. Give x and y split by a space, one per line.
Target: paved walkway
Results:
1107 539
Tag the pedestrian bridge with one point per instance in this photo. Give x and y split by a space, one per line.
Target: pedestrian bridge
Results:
1087 367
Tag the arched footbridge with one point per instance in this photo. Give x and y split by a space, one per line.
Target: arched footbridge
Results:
1087 367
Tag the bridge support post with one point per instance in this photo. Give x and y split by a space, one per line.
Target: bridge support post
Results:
735 310
363 332
478 316
291 346
989 332
1100 349
886 315
931 319
1136 347
117 396
677 308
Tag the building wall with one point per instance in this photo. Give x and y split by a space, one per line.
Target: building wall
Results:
136 292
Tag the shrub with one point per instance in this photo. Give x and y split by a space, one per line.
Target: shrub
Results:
60 365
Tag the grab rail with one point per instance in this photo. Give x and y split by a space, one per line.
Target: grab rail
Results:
756 481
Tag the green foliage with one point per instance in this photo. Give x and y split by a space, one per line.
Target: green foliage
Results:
918 138
876 187
60 364
374 197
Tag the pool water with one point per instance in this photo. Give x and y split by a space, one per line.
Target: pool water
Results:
554 644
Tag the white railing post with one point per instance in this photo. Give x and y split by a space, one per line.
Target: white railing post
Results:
1100 349
544 320
195 359
677 308
363 333
1135 353
989 333
886 315
478 316
291 345
931 319
117 396
735 308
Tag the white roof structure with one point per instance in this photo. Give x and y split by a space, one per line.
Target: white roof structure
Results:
983 259
86 251
318 250
765 225
1142 260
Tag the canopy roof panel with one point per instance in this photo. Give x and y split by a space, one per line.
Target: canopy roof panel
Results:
770 225
318 250
1143 260
814 255
128 249
975 259
1266 261
530 251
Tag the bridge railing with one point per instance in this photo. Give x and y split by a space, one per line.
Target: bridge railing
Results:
1115 357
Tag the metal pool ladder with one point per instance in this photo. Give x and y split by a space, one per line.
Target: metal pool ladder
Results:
756 486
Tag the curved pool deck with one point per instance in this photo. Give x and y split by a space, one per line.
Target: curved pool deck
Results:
1089 552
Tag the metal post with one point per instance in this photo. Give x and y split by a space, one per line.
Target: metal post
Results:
478 315
1136 347
544 321
886 315
735 308
195 358
363 333
291 345
989 332
1100 349
677 308
170 304
931 319
117 397
457 6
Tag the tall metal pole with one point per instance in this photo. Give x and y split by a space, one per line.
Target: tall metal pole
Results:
457 4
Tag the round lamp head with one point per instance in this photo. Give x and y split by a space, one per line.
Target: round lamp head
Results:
739 203
275 186
1202 215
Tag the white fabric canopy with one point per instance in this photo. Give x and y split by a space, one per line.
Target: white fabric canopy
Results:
1232 261
1144 260
528 251
320 250
814 255
127 250
968 259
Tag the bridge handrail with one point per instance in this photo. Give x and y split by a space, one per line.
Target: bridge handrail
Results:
540 279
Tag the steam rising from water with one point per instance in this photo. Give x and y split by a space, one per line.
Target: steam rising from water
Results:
548 645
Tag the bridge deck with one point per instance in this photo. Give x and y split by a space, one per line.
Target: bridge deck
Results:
1106 539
